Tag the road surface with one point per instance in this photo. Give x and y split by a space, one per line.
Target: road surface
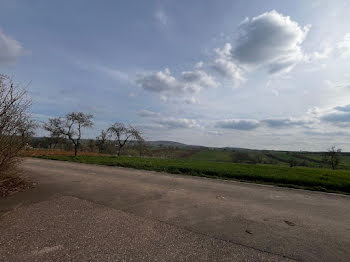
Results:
81 212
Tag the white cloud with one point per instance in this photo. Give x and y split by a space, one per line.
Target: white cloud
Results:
10 49
323 54
330 118
339 118
190 100
161 17
286 122
147 113
200 78
163 81
215 133
190 83
345 108
272 40
150 126
177 122
224 65
337 85
273 123
239 124
199 65
179 100
339 49
326 133
344 46
339 115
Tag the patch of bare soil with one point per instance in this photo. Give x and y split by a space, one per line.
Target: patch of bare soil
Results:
12 185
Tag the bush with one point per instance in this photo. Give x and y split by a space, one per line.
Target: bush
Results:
15 124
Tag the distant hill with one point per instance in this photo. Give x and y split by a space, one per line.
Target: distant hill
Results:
42 142
172 144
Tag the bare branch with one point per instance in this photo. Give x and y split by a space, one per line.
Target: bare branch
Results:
332 157
122 134
69 127
16 126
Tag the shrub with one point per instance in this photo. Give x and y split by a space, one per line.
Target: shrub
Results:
15 124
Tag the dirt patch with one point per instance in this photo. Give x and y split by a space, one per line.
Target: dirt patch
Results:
12 185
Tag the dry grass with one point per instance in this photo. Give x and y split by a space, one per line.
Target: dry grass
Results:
54 152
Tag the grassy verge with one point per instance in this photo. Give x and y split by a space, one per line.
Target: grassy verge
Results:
298 177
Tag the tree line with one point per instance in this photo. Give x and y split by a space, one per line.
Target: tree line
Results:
332 158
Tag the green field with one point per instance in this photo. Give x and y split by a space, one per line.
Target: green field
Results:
211 155
297 177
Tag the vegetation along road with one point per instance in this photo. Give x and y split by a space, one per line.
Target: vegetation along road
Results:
86 212
320 179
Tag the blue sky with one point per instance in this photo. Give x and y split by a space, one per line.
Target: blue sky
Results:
255 74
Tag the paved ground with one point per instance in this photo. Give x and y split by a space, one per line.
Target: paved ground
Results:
84 212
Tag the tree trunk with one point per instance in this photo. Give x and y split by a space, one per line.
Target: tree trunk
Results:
75 150
119 149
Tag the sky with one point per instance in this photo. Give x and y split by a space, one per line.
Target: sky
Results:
252 74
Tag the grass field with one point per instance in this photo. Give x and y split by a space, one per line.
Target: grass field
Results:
298 177
211 155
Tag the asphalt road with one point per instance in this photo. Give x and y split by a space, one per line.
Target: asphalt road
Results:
82 212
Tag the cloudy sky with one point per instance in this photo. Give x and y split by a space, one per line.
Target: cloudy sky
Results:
253 74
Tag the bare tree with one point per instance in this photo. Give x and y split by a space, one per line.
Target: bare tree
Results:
16 126
141 143
122 134
101 141
70 127
55 136
332 157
